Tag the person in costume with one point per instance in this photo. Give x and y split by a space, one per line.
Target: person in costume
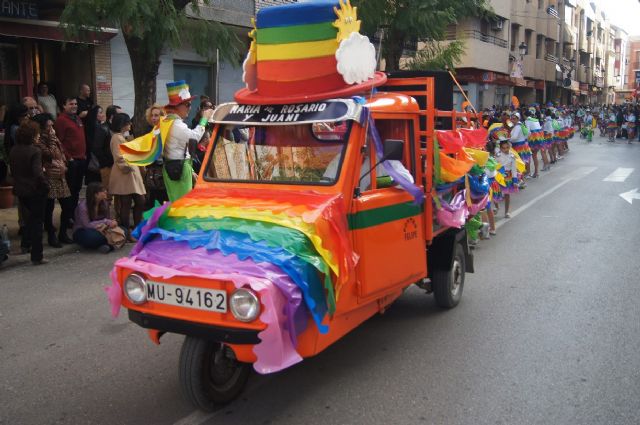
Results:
557 136
547 127
612 125
518 138
631 125
508 162
178 169
536 143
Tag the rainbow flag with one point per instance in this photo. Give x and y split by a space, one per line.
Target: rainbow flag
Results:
146 149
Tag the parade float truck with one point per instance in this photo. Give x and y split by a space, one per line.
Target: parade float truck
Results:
307 218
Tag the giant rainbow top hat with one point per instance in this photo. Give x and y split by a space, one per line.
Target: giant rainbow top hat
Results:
308 51
178 92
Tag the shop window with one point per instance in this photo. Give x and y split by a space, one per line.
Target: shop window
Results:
200 78
10 74
9 60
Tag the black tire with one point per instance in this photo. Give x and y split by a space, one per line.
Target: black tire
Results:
209 373
448 284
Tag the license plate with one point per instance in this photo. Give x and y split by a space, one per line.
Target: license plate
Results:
187 296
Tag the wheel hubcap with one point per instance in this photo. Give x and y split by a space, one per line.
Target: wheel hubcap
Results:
224 366
456 274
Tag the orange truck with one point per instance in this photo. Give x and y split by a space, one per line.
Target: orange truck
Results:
306 173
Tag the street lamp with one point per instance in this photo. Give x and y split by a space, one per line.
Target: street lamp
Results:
522 49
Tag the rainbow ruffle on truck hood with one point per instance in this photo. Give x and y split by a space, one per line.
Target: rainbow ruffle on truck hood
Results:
296 241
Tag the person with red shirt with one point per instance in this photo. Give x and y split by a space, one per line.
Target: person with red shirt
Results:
70 132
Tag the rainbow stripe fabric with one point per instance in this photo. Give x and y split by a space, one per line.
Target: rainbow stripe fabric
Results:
536 139
296 45
178 92
300 237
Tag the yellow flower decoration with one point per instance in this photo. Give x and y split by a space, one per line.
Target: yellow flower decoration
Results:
253 48
347 21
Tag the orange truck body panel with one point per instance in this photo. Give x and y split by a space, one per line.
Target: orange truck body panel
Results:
389 233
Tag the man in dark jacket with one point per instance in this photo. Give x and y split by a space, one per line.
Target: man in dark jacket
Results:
30 186
70 132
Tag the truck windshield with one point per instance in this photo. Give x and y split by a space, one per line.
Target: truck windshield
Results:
296 154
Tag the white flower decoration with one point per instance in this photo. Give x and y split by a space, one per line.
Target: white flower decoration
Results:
184 94
356 58
250 71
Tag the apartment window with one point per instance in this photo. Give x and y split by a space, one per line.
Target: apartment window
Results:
539 47
527 39
515 36
540 4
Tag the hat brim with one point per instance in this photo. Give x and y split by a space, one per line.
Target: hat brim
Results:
181 101
248 97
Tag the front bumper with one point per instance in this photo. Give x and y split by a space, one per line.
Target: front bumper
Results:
199 330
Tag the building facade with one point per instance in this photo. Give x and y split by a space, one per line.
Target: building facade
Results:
631 74
540 51
33 50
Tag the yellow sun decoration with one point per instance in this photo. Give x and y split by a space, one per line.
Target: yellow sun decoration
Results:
253 48
347 21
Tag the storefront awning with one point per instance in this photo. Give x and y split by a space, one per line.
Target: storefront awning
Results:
50 30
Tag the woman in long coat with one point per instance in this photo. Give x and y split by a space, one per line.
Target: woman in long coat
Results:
125 181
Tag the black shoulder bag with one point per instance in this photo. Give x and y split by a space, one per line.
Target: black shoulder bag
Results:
174 166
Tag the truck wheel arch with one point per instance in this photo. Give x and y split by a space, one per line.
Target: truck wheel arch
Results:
440 252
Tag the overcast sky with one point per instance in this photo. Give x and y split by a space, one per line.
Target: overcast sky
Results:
623 13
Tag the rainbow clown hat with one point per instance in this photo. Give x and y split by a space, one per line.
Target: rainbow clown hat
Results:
178 92
308 51
498 133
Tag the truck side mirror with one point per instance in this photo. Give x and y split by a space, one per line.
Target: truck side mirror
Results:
392 149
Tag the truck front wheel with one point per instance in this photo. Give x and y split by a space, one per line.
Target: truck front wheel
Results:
448 284
210 374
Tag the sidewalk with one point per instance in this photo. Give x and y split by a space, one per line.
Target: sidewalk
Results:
9 216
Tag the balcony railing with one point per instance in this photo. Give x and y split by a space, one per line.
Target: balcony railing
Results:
477 35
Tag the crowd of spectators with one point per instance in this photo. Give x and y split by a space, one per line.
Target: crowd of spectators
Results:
53 148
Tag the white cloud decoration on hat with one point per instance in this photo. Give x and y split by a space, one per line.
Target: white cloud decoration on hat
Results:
250 71
356 59
250 65
184 94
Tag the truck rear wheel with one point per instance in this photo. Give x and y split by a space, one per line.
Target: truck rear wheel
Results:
210 374
448 284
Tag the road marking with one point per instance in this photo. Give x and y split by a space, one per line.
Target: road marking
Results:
619 175
575 175
198 417
630 195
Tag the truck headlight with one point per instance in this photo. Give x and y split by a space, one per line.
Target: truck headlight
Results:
244 305
135 288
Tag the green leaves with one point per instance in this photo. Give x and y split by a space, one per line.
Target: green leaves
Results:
153 25
437 56
405 21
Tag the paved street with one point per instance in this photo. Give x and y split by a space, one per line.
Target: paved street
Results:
548 332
